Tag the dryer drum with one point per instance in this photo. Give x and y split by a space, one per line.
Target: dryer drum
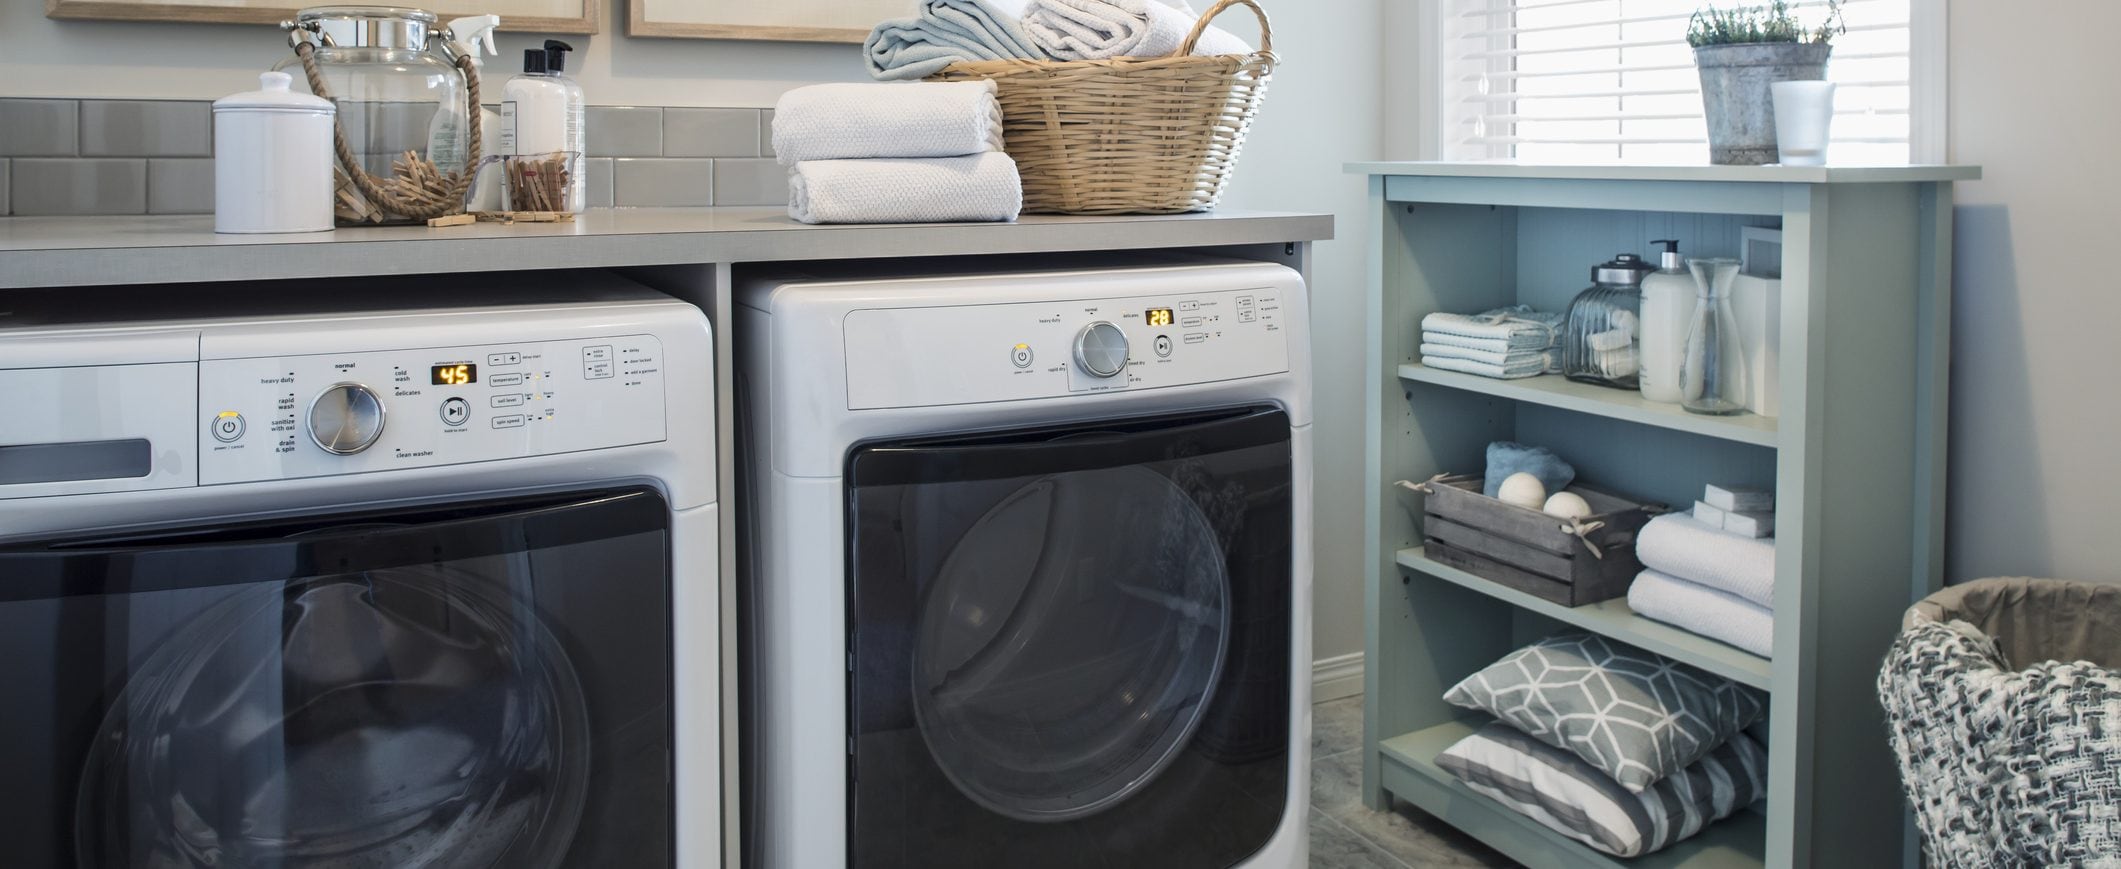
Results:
404 717
1071 642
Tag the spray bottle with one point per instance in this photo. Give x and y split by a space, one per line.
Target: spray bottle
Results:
468 36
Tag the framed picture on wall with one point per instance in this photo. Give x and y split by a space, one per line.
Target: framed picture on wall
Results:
777 21
530 16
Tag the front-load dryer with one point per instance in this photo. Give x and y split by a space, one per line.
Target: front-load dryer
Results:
336 574
1028 577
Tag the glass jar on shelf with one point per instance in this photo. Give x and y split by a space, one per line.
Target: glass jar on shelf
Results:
1600 341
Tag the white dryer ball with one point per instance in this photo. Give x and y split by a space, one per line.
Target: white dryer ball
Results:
1523 490
1568 505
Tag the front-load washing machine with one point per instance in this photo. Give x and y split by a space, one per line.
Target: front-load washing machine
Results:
425 578
1029 579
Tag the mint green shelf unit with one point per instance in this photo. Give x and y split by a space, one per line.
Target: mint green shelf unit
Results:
1856 457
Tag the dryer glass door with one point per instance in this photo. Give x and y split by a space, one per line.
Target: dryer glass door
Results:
1072 644
475 685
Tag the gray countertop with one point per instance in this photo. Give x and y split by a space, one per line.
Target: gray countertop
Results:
89 251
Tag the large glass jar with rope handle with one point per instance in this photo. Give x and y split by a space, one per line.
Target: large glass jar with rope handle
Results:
405 113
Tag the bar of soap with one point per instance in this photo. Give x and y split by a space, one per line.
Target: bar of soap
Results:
1747 499
1749 524
1708 514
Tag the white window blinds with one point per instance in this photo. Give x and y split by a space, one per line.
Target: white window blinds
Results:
1569 81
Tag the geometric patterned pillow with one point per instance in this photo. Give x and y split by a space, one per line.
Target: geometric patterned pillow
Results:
1632 715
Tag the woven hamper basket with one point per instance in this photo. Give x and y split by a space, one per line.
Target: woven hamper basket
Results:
1128 136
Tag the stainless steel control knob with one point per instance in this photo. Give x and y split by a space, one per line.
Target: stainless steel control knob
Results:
346 418
1101 349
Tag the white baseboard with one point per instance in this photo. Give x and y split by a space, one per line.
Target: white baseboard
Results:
1336 677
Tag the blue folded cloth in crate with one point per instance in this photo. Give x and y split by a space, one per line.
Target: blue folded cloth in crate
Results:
1509 457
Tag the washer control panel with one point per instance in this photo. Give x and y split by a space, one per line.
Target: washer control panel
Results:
971 354
284 417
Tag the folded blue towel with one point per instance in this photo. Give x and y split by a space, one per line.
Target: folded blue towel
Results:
1508 457
946 32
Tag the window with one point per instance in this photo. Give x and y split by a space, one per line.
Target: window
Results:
1592 81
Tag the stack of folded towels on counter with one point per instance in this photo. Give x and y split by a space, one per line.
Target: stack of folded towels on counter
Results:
1505 343
1654 755
895 153
1712 572
944 32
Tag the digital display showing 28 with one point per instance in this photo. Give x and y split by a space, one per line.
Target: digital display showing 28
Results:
457 374
1157 317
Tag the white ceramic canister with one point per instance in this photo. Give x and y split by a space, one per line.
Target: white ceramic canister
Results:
272 159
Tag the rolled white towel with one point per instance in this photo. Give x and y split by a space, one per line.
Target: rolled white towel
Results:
1702 610
980 187
1100 29
848 121
1686 547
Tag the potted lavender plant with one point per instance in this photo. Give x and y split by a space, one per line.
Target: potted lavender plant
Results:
1739 52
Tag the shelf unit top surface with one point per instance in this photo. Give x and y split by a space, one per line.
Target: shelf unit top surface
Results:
1776 174
1554 390
1613 619
1736 842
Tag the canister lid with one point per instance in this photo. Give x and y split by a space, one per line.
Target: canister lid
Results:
1624 268
274 94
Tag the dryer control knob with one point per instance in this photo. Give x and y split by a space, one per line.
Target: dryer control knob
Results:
346 418
1101 349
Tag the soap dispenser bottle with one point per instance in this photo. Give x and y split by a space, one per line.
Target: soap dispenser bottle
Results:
541 116
1667 306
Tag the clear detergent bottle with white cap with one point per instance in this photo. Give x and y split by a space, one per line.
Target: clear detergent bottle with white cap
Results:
1667 307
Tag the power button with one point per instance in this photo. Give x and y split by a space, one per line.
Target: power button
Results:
228 426
1020 355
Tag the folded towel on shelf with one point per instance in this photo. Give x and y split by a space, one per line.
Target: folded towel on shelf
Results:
1517 327
1527 368
1696 608
846 121
1683 546
946 32
980 187
1100 29
1491 357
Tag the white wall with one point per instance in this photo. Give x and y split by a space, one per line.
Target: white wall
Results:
1321 112
40 57
2034 404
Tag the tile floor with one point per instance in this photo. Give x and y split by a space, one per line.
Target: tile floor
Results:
1347 835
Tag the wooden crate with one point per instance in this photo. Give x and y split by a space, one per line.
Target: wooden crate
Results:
1531 551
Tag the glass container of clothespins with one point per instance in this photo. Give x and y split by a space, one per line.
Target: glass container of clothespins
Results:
541 183
1600 342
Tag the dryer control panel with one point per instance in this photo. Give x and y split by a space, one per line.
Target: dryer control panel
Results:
283 417
971 354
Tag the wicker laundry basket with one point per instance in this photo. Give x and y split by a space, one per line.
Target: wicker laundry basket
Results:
1128 136
2005 709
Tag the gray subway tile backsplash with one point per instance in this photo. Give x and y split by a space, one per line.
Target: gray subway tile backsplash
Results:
146 128
180 186
64 186
710 132
39 128
658 182
63 156
750 181
624 131
598 182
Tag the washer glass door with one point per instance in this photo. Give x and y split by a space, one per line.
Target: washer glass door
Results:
463 686
1072 644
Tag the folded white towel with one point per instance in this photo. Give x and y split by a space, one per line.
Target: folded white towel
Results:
1099 29
981 187
1699 609
947 32
1491 357
1517 327
1514 371
1685 547
853 121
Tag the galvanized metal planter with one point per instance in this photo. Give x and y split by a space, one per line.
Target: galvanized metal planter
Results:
1735 97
